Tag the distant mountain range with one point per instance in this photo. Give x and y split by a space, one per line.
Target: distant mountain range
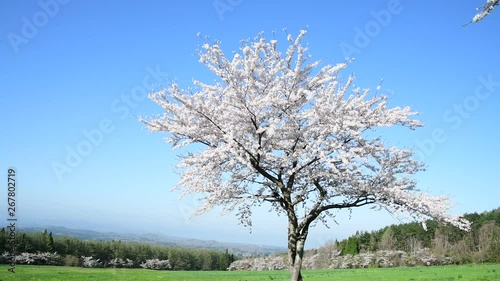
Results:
239 249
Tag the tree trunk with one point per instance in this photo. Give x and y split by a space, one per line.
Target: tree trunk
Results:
296 265
295 254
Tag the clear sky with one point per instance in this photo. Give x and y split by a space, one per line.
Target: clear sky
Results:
74 77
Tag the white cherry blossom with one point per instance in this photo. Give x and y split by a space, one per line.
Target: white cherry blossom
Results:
276 128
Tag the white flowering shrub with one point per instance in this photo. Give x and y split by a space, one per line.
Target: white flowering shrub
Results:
382 259
90 262
5 258
49 258
367 260
425 257
244 264
25 258
276 263
39 258
128 263
259 264
311 262
116 262
156 264
265 263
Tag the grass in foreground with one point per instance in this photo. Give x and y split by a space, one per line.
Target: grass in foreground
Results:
487 272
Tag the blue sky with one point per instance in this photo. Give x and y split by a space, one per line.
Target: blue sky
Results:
74 77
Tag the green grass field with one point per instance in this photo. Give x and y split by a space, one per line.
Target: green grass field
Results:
489 272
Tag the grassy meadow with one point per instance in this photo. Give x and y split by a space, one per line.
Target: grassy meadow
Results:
483 272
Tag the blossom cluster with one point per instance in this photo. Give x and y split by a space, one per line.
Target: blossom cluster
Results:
275 128
34 258
118 262
382 259
156 264
486 10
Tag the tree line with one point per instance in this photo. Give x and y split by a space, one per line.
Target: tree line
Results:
75 252
400 245
481 244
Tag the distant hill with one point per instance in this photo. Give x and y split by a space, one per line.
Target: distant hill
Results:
239 249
